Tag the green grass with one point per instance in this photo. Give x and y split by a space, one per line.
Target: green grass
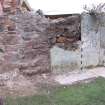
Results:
84 94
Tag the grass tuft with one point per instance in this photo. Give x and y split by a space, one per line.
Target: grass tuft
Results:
81 94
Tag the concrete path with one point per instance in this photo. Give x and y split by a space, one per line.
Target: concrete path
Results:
71 78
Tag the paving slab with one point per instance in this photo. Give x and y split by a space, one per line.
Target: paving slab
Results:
71 78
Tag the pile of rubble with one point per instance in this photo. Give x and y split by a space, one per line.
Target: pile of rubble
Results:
65 32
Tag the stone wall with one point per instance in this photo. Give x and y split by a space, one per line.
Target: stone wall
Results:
33 44
64 37
35 52
90 41
102 38
63 61
24 44
65 32
93 38
91 50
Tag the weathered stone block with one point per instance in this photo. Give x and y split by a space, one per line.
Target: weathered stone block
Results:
7 66
11 57
10 39
12 48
